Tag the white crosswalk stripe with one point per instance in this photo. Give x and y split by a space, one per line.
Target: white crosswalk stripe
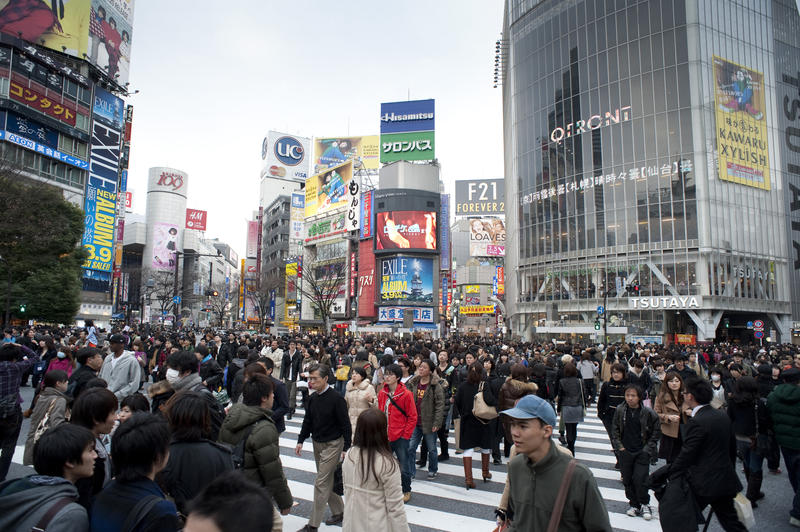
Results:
444 503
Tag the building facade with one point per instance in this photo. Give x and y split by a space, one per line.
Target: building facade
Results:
645 167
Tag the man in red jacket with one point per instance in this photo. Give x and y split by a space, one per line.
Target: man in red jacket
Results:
401 412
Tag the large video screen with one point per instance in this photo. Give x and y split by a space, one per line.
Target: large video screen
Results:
406 279
407 230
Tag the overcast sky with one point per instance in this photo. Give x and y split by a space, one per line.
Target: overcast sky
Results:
214 77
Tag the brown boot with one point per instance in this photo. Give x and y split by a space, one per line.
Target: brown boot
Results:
485 466
468 473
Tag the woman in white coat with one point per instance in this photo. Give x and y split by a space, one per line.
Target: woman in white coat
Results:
359 395
372 493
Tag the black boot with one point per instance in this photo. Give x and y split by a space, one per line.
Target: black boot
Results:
444 446
754 492
423 455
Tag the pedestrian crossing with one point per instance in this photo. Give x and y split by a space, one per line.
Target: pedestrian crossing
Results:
443 503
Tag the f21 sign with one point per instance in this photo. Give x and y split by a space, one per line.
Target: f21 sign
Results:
483 196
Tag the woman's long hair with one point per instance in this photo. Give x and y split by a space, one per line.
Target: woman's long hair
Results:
372 439
475 373
665 389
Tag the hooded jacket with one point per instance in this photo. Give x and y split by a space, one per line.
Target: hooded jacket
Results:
784 406
262 462
400 425
123 378
431 410
24 501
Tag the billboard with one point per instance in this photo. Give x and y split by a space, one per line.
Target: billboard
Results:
742 144
326 227
365 213
402 117
366 280
108 108
483 196
196 219
251 250
296 223
328 190
30 129
286 156
474 310
407 279
165 244
445 232
487 237
354 204
333 151
395 314
52 105
110 32
414 146
407 230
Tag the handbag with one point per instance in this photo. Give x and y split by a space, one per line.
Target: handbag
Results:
480 409
342 373
744 510
44 423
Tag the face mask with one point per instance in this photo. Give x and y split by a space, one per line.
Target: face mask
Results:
172 375
61 355
715 378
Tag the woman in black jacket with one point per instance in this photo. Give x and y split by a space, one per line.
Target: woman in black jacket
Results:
749 418
612 394
495 382
474 432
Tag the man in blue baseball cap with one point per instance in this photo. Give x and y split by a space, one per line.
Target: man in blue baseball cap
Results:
538 472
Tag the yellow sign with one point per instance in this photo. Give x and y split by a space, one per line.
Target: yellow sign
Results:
477 309
472 289
331 151
739 104
327 190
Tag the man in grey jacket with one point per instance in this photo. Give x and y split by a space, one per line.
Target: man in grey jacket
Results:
48 500
120 369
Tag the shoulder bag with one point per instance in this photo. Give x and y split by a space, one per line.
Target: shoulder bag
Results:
561 498
480 409
44 423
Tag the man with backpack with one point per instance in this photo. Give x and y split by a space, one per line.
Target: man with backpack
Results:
249 428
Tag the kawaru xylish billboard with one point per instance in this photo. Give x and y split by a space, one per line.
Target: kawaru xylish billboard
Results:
742 145
406 230
487 237
165 244
484 196
333 151
406 279
286 156
328 190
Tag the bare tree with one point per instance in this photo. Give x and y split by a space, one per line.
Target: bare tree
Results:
259 292
217 304
163 289
323 282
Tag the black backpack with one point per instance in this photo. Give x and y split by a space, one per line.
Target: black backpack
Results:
239 448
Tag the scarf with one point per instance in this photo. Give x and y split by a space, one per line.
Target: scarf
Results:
188 382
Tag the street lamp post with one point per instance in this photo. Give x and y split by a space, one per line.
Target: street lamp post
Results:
149 285
8 292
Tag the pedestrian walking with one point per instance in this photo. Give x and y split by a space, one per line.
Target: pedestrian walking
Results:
672 414
120 369
428 392
50 411
397 403
290 370
784 407
359 395
15 361
96 410
475 432
751 422
612 394
513 389
571 403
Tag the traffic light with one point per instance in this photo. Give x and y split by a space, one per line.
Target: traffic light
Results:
22 308
214 293
727 323
596 325
633 289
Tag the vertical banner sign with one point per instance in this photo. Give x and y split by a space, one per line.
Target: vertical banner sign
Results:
742 144
501 280
443 302
353 274
365 231
260 228
445 232
251 250
366 280
272 305
354 201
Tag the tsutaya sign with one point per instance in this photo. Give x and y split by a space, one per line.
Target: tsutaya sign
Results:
622 114
666 302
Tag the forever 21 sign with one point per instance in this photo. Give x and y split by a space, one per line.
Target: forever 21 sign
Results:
484 196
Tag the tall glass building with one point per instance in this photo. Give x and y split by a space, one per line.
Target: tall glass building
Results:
650 166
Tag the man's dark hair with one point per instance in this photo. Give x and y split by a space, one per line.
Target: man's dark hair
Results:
138 445
222 502
699 388
95 382
242 351
395 370
136 402
619 367
59 445
258 387
51 378
93 406
188 415
10 353
268 362
85 354
428 362
636 388
202 349
183 361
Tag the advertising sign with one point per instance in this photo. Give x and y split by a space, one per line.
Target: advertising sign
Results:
252 240
333 151
354 204
483 196
286 156
30 129
473 310
328 190
32 145
329 226
742 145
500 275
487 237
196 219
365 213
67 26
98 234
165 244
108 108
128 200
402 117
408 279
414 146
395 314
472 289
366 280
52 105
110 37
445 231
405 230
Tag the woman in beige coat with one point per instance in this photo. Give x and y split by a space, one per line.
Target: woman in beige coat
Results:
373 498
359 395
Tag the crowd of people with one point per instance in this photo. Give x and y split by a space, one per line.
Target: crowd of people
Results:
140 429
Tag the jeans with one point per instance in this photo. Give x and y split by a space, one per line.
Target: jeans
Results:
400 449
753 462
9 432
341 387
430 442
635 469
791 458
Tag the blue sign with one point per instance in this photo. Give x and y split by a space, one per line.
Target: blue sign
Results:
759 334
123 181
289 151
298 200
176 300
395 314
47 151
403 117
272 305
108 108
99 227
408 279
749 324
600 310
22 125
444 224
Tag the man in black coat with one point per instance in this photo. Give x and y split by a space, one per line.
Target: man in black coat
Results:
708 455
280 406
290 369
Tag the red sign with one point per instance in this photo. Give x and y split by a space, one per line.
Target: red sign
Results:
54 106
128 200
405 230
366 280
366 211
196 219
501 281
168 179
